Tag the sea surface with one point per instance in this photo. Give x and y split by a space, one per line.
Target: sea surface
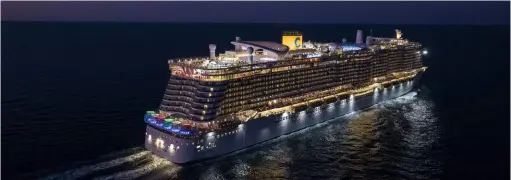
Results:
74 94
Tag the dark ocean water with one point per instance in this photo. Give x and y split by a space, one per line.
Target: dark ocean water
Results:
73 97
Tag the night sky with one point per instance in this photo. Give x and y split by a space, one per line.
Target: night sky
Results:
475 13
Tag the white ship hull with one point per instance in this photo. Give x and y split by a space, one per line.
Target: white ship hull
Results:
262 129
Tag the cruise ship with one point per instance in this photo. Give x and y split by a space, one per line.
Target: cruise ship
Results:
261 90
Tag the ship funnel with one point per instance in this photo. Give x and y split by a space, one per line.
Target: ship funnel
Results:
237 48
399 34
250 55
212 49
360 39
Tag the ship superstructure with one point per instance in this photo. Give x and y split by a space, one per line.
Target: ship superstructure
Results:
261 90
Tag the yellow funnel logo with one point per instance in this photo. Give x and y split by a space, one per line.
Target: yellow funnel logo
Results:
293 42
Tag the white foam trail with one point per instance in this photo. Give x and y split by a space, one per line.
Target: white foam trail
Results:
402 99
80 172
156 162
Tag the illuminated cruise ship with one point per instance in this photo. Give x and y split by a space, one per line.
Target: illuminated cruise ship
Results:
262 90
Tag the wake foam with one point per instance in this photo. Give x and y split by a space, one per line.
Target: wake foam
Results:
80 172
156 162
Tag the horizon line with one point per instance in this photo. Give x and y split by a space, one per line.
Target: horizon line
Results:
238 23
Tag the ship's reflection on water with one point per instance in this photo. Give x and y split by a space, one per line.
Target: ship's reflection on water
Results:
398 139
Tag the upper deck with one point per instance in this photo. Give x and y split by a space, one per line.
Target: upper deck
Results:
260 57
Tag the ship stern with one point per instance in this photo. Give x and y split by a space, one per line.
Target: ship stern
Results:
167 146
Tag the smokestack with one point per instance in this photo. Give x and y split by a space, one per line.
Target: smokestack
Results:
360 39
237 47
212 49
250 56
398 34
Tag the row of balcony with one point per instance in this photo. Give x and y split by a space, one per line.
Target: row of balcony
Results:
186 115
192 99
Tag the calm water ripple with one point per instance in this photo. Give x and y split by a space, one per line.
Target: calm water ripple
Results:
398 139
